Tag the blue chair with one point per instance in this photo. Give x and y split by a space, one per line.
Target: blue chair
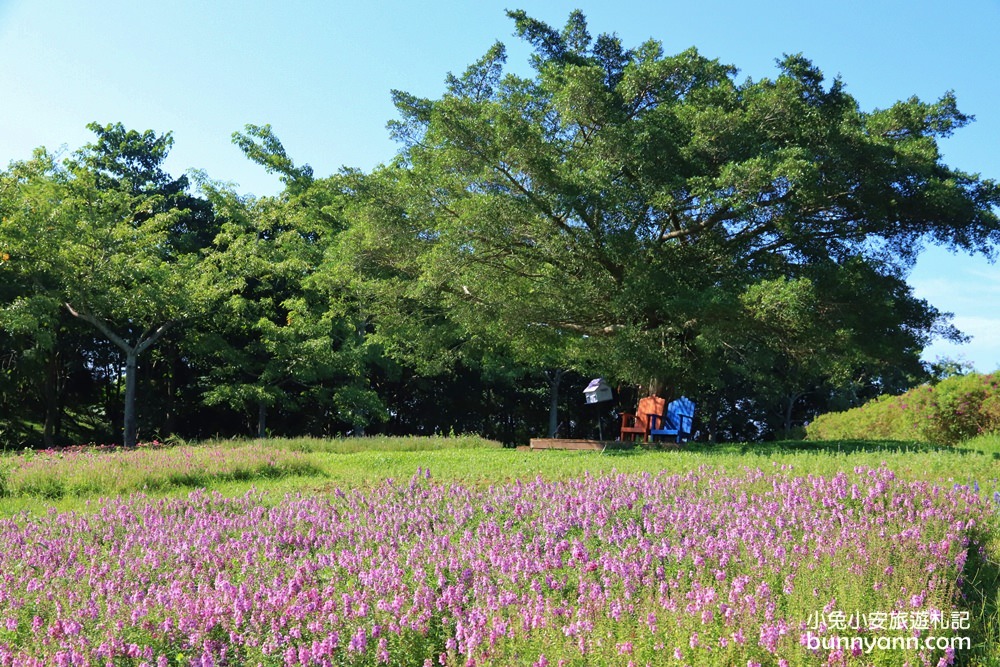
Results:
678 422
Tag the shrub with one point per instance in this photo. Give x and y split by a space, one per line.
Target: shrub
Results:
955 409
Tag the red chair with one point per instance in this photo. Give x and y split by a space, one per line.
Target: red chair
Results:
636 426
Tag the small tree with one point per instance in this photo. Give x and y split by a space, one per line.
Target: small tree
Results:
115 241
276 341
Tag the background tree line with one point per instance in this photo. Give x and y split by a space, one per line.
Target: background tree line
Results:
622 212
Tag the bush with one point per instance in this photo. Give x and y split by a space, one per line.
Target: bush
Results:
955 409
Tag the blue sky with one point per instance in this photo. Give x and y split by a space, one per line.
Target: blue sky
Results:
320 72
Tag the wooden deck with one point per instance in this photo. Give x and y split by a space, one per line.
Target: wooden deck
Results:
583 445
538 444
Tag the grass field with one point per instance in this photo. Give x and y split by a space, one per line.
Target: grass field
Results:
66 480
897 514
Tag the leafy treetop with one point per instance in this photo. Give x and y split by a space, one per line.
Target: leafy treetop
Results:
638 199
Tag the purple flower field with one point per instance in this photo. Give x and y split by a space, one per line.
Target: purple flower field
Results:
704 568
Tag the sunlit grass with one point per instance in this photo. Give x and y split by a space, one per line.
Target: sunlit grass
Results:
988 444
315 465
382 444
53 475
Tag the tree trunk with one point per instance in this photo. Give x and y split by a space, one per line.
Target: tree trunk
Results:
261 419
170 416
132 352
657 387
130 428
788 412
712 421
51 396
555 378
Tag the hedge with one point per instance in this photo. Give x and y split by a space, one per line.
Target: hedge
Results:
946 413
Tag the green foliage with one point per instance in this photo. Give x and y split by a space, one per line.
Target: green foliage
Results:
949 412
638 215
276 342
107 236
260 144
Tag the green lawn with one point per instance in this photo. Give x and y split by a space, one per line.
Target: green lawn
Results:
74 480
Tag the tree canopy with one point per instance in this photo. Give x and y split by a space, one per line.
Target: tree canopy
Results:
658 220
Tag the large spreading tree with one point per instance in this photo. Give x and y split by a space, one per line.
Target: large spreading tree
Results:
657 219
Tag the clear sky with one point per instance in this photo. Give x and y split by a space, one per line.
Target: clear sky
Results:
321 71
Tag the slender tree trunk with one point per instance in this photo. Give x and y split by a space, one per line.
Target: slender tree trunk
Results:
711 421
51 397
130 427
132 353
788 412
261 419
657 387
555 379
170 418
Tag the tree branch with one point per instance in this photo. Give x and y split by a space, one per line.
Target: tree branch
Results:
534 199
162 329
102 327
590 331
